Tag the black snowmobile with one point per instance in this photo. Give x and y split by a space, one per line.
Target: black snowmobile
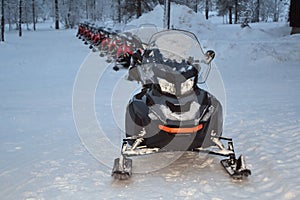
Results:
171 112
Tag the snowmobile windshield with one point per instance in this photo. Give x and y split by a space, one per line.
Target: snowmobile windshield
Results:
174 60
145 31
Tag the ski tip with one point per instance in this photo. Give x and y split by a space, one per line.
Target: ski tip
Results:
122 169
241 175
237 170
121 175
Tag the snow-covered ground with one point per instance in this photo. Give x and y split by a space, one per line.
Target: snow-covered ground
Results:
42 156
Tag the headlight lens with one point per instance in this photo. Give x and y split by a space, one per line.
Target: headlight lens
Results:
170 88
187 86
166 86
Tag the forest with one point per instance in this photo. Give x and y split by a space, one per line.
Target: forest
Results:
16 14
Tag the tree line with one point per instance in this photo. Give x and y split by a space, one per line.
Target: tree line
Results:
68 13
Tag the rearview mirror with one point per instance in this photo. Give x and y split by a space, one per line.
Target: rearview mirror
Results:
209 56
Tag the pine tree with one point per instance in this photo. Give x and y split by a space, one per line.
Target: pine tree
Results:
236 11
56 14
167 12
257 11
206 8
224 7
295 16
2 21
20 17
195 6
139 8
119 11
33 15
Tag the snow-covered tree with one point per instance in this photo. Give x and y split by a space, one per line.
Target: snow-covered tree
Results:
226 7
254 10
125 10
71 12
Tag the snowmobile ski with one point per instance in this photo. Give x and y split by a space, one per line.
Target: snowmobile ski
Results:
236 168
122 169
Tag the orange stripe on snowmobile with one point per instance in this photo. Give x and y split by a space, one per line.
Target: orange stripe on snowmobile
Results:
180 130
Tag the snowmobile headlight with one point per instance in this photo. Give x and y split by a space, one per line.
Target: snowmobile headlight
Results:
166 86
187 86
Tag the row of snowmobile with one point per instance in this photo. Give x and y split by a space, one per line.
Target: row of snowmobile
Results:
115 45
173 110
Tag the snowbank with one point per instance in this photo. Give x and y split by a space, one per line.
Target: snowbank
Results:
182 17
